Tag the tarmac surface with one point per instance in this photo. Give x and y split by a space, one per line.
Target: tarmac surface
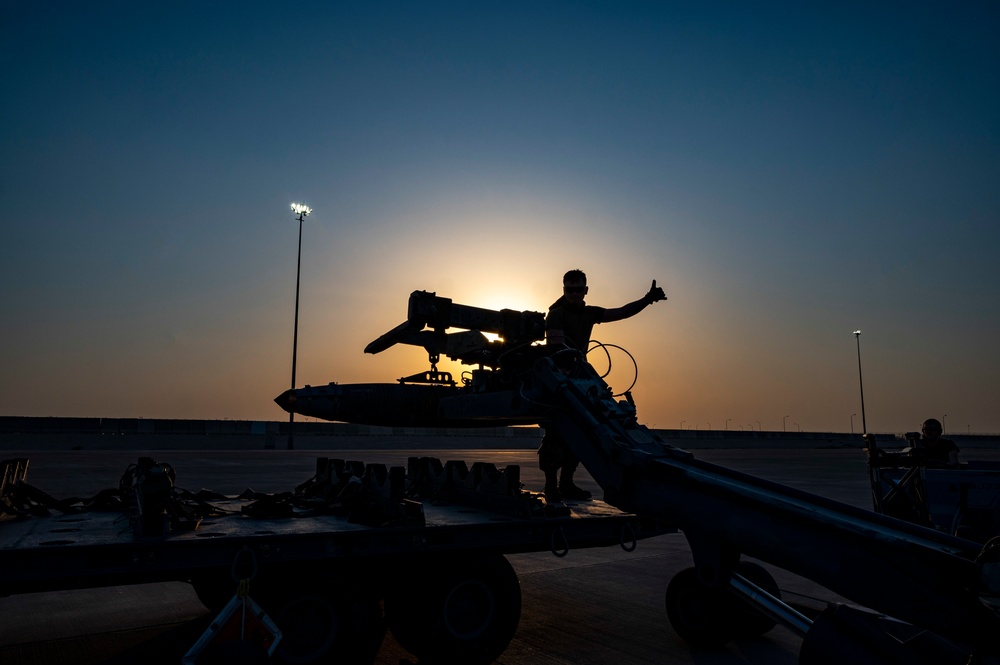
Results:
599 605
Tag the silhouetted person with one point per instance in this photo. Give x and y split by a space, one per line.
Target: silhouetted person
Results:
570 321
936 450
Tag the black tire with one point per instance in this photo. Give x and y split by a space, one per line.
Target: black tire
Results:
323 618
456 612
700 615
310 627
214 590
749 622
228 653
330 628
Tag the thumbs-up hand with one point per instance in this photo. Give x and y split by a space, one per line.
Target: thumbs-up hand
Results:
655 293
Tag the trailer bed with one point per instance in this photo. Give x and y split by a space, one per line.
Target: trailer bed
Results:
101 548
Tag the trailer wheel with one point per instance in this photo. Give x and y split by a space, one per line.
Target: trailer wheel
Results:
214 590
327 628
227 653
748 622
321 618
460 611
700 615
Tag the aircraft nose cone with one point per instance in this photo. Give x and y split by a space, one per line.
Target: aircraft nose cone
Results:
286 400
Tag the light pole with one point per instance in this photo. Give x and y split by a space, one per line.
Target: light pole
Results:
944 430
727 423
682 423
758 425
783 419
852 422
861 383
301 212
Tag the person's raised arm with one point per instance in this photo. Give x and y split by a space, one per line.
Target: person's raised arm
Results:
654 294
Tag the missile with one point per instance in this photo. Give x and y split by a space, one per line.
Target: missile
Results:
493 397
408 405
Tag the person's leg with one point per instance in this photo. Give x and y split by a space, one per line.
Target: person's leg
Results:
567 487
550 458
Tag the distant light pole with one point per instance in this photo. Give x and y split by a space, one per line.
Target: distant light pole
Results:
727 423
943 428
861 383
783 419
852 422
301 212
758 425
682 423
798 425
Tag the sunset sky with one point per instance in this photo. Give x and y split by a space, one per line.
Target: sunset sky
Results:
788 172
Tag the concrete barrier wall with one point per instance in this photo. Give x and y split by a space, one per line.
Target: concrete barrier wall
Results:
163 426
29 433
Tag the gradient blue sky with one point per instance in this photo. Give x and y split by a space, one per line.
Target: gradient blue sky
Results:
788 172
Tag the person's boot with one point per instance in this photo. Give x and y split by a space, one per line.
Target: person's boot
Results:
551 490
568 488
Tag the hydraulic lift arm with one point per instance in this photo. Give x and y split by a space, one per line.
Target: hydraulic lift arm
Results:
914 574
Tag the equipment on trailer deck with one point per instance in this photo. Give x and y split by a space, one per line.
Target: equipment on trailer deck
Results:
934 596
425 542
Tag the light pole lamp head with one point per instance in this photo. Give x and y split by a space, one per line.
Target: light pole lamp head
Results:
301 210
857 333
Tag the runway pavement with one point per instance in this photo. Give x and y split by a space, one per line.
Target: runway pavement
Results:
601 605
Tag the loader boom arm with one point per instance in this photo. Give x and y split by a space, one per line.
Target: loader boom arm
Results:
912 573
